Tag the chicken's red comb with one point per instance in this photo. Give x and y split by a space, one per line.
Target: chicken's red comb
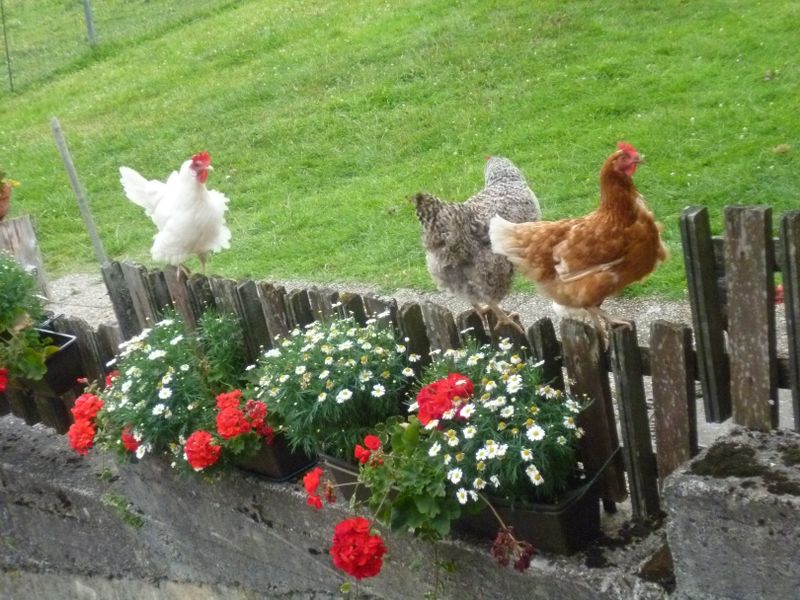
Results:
202 157
627 148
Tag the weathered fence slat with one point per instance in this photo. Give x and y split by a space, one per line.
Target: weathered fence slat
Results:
790 242
23 405
470 325
634 423
52 412
507 331
375 307
179 294
441 326
586 366
353 306
673 395
751 316
273 303
201 296
159 294
299 306
121 300
109 338
18 237
136 278
546 349
324 303
412 327
92 358
5 408
255 330
224 290
701 275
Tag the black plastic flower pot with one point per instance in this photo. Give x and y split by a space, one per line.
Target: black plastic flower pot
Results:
277 461
63 366
563 527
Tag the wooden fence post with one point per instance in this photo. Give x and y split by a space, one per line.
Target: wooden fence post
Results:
412 327
470 325
441 327
673 377
547 350
586 366
18 238
701 275
751 316
121 300
640 461
790 242
273 303
255 329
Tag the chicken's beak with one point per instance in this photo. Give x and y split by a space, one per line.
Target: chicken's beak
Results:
209 168
639 160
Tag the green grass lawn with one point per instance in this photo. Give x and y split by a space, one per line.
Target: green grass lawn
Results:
323 117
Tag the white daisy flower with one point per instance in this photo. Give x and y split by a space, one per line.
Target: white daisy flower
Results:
346 345
156 354
408 372
176 340
126 386
534 475
454 475
469 432
322 396
535 433
449 414
490 385
413 407
324 374
399 348
141 450
526 454
572 406
569 422
505 345
434 449
479 483
299 369
343 396
514 384
501 450
447 458
365 376
473 495
432 424
461 494
495 481
515 360
159 409
481 454
467 410
378 390
283 378
184 368
507 412
272 353
164 393
328 360
413 357
562 441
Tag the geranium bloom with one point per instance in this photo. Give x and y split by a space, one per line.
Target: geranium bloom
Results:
3 379
231 422
373 442
130 443
199 450
311 480
86 407
111 377
355 551
362 454
229 399
81 436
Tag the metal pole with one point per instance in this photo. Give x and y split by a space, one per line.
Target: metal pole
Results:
80 194
87 15
5 42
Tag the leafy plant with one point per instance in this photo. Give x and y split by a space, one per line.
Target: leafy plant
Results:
329 384
23 351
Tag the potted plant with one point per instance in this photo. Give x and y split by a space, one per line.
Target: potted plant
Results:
29 353
177 393
330 383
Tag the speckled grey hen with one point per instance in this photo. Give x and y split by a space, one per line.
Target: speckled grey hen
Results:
455 237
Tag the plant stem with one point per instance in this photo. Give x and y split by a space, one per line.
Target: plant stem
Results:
496 514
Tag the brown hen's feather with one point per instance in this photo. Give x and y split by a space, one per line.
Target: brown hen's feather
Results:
578 263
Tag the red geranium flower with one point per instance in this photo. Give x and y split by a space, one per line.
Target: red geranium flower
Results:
373 442
256 413
355 551
231 422
81 436
86 407
461 386
3 379
362 454
111 377
436 398
130 443
199 450
311 480
229 399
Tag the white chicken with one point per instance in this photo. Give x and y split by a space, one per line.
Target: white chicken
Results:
190 218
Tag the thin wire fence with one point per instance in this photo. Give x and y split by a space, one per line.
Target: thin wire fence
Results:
45 38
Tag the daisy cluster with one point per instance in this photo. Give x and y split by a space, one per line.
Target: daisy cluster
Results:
329 382
497 429
163 389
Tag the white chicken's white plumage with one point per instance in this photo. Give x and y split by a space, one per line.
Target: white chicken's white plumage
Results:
190 218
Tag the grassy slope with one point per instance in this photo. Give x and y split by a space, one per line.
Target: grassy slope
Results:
323 117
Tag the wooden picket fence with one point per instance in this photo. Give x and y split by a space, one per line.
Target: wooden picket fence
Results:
741 381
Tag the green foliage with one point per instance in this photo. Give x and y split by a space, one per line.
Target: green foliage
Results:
331 383
324 116
123 508
22 350
407 487
167 383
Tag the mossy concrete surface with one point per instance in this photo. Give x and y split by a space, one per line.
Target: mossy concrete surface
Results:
90 528
733 518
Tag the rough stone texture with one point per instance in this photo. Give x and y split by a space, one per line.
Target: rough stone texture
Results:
60 537
735 533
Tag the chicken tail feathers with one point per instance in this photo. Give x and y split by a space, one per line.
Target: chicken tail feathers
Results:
503 239
138 189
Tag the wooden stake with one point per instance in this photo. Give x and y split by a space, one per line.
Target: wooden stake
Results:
80 193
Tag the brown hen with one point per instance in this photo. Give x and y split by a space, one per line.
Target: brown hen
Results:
578 263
